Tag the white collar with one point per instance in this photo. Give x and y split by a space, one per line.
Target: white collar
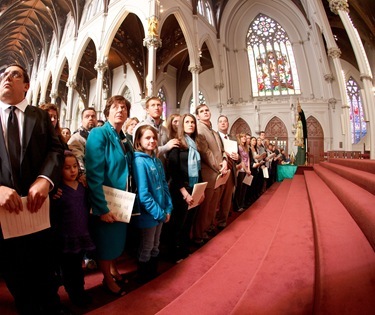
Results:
21 106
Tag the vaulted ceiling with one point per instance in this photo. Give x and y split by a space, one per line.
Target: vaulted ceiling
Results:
27 27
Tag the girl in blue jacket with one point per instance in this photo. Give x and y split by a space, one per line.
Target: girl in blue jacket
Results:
153 197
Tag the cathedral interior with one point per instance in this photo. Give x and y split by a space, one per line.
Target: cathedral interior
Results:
34 33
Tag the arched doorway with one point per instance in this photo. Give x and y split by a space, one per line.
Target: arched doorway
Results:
315 139
239 126
277 133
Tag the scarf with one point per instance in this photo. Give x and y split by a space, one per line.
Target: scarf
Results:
194 161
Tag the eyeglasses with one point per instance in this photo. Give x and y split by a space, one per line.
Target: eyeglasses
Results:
15 74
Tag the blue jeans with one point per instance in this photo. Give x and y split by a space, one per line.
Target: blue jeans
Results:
150 240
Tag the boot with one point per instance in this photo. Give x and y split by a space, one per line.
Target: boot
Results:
144 271
154 263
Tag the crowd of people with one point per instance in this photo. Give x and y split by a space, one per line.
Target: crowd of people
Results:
161 163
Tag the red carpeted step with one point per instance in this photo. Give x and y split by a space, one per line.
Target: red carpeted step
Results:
219 289
345 279
362 165
358 201
156 295
284 282
363 179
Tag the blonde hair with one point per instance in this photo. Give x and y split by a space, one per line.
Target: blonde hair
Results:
239 136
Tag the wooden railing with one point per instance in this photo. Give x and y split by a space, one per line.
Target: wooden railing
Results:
345 155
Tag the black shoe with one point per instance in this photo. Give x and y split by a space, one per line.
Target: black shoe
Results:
120 292
144 272
81 299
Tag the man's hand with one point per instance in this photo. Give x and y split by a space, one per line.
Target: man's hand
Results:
234 156
10 200
38 193
224 167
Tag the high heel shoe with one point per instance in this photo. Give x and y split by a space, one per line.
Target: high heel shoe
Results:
120 292
120 279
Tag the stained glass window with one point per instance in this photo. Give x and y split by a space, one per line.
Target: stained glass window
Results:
161 95
272 64
357 119
204 9
201 100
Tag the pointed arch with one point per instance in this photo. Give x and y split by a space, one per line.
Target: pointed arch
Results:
357 117
277 133
240 125
272 64
162 95
315 140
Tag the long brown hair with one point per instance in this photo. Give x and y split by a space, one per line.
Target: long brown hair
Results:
171 133
181 133
47 107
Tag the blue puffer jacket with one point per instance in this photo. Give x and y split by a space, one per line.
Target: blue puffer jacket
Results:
153 193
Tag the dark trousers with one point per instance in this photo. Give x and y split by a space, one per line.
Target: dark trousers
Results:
180 226
240 193
27 264
72 272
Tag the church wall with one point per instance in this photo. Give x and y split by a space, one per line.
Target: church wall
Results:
227 87
167 81
127 78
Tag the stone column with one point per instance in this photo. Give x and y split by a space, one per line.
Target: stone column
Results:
53 97
72 84
195 84
331 108
100 67
341 8
219 86
335 54
152 42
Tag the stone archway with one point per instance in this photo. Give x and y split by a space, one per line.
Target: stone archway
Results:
277 133
239 126
315 139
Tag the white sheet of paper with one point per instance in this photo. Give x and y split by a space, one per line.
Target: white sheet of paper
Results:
25 222
265 172
198 192
221 179
119 202
230 146
248 180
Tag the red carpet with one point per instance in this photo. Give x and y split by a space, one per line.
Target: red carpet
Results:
284 282
345 262
303 248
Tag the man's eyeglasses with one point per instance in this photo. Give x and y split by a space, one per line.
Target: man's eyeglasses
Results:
15 74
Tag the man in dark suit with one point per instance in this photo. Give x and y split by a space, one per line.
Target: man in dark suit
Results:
233 158
26 262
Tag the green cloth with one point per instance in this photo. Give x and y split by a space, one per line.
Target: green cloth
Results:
301 156
285 171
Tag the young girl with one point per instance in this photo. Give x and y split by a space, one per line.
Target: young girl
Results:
71 215
153 197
